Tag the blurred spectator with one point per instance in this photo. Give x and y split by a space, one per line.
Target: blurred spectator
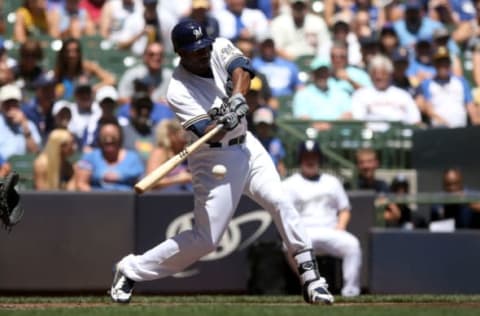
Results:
29 65
266 6
152 70
254 100
420 66
111 166
106 98
388 40
39 108
114 15
369 47
62 112
341 33
324 209
52 169
18 135
299 32
248 47
346 77
361 24
335 9
399 75
238 21
147 26
465 215
394 10
264 128
71 69
71 20
94 10
367 163
138 130
33 19
322 99
401 215
5 167
447 98
201 13
441 37
383 101
415 25
376 14
282 74
458 15
170 139
85 114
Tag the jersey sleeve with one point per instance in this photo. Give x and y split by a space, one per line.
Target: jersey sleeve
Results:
225 53
342 198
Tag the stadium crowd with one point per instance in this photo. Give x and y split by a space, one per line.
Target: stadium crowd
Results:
415 62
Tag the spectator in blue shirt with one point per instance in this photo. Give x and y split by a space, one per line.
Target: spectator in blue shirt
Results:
458 15
264 126
39 108
420 66
201 13
18 135
415 25
322 99
111 166
282 74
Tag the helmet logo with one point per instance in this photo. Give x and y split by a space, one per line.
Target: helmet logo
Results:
197 33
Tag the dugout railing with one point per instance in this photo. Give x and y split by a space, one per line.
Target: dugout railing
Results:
392 142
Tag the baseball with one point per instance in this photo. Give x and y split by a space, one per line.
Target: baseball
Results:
219 171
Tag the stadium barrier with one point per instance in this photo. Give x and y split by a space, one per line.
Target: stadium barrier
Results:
68 242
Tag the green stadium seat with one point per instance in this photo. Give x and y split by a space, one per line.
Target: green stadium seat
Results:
23 165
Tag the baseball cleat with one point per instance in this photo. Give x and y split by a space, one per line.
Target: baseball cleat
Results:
122 287
316 292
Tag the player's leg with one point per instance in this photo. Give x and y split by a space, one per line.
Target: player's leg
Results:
264 187
215 203
344 245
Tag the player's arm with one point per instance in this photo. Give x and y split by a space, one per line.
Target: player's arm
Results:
343 219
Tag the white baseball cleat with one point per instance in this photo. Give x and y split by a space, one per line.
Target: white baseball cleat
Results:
122 287
317 293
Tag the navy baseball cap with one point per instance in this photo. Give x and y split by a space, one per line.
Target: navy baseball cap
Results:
189 36
309 146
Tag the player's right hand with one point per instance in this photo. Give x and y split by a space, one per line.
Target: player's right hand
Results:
229 120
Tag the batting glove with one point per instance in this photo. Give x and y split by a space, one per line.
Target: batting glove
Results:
238 104
229 121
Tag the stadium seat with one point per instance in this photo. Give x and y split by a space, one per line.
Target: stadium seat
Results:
23 165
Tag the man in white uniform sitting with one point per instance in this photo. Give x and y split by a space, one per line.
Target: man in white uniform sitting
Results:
325 212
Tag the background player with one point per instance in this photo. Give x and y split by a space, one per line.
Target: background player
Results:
207 87
325 211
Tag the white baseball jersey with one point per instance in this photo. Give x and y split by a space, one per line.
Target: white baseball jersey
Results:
393 104
250 171
318 202
191 96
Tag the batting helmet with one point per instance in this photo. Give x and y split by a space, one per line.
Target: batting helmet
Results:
189 36
309 146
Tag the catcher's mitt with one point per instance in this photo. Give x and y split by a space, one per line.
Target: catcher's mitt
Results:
11 211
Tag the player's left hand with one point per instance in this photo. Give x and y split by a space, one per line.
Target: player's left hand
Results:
229 121
238 104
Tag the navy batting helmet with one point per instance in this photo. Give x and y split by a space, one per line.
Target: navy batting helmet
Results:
189 36
309 146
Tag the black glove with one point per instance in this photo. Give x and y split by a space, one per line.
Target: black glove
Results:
229 121
238 104
10 210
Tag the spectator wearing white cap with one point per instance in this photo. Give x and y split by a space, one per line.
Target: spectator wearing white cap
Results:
18 135
62 114
263 121
107 100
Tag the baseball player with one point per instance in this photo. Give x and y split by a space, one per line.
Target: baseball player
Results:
207 88
325 211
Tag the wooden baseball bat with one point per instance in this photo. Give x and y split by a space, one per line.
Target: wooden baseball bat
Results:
153 177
